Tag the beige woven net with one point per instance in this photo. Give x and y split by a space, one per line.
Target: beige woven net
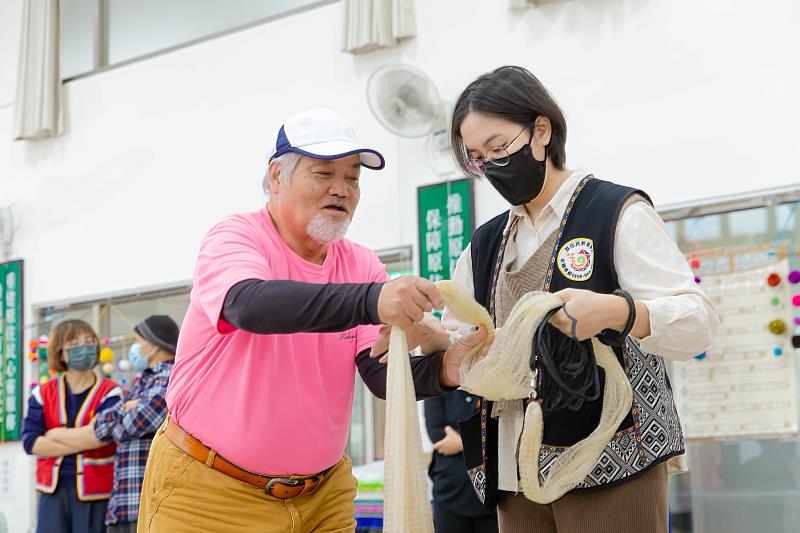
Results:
572 466
466 309
504 374
406 507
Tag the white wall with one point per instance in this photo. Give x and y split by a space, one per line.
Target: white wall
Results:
156 152
17 499
685 99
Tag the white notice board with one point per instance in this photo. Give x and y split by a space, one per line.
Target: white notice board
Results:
743 388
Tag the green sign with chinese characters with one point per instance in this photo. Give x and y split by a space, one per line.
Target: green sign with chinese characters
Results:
446 220
11 349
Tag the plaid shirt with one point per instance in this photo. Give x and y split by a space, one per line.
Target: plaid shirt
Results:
133 432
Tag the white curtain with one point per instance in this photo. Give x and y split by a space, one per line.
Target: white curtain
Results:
37 106
372 24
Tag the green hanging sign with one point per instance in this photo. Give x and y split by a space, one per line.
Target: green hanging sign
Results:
446 219
11 329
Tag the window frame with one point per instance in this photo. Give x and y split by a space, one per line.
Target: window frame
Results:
101 41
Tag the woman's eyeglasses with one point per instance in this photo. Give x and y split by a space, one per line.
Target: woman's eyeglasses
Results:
499 158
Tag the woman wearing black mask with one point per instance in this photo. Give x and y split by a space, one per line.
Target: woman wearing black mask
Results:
603 249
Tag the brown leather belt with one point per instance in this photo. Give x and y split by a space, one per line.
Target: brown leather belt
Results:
279 487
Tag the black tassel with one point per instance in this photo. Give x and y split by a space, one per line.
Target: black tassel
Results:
566 368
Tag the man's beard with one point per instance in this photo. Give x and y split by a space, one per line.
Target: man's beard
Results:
321 228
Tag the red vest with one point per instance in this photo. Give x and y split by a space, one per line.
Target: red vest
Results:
94 468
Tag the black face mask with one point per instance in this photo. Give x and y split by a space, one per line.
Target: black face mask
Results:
522 179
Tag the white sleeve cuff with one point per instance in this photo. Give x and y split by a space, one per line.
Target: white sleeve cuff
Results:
680 327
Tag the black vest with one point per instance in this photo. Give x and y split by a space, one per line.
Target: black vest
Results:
592 221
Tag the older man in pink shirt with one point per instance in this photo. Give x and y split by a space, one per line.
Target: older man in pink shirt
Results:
283 311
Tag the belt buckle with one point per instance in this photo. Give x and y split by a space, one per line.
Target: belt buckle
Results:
282 481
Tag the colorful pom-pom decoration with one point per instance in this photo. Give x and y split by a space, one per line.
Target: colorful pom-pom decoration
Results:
694 263
33 385
52 372
794 277
106 341
34 344
774 279
778 352
775 301
43 380
796 341
697 279
796 300
797 320
700 356
33 356
108 368
124 365
777 327
123 381
106 355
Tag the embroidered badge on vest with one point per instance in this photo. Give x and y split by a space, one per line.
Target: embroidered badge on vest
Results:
576 259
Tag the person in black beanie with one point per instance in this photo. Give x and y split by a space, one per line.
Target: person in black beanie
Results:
160 331
135 420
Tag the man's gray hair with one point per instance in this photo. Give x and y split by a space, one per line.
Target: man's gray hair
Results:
287 163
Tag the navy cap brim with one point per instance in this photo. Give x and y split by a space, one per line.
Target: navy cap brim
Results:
370 158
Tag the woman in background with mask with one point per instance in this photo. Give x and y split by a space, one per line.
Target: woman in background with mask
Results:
74 469
604 250
133 423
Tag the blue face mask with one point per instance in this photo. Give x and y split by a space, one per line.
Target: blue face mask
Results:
82 357
138 361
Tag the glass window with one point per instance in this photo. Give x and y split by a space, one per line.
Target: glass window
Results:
115 319
78 21
357 440
146 26
114 31
52 316
672 228
785 219
124 316
750 222
379 410
701 228
740 484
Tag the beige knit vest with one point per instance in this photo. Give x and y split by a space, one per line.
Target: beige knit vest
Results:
513 285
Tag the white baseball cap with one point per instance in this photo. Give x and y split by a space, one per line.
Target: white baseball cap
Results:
322 134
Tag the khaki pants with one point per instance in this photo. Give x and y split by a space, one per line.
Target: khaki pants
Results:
637 506
181 495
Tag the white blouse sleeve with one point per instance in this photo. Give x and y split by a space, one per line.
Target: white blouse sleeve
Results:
683 321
